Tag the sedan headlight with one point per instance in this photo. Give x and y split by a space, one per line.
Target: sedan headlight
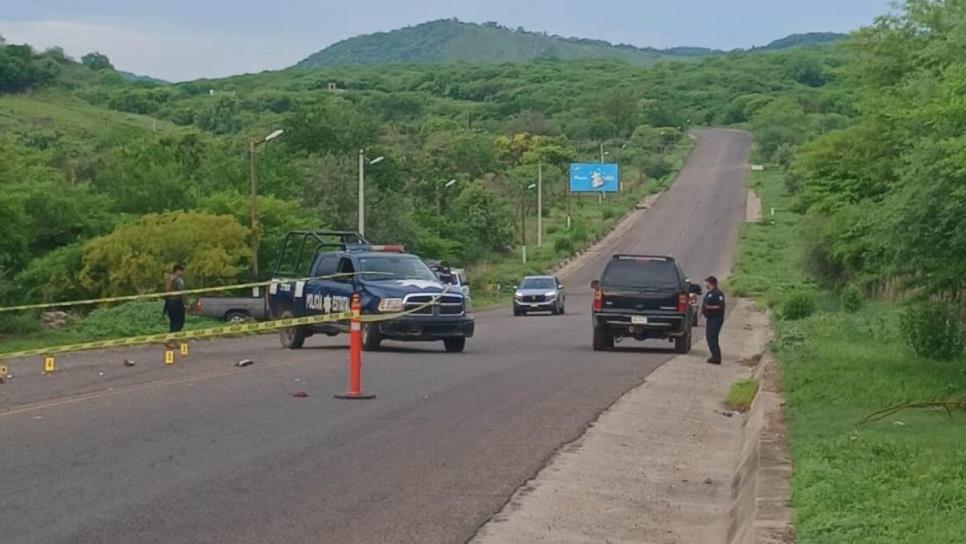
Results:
518 295
550 294
391 305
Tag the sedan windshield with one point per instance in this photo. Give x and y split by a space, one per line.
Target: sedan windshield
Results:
538 283
391 267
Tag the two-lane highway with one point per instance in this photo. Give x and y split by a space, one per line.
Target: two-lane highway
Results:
207 453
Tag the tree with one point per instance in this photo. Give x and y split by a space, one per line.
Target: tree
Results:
486 222
97 61
135 257
276 217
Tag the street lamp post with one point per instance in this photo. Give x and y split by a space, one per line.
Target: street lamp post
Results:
523 219
540 205
362 188
253 187
439 194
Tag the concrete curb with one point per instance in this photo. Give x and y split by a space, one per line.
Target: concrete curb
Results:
761 488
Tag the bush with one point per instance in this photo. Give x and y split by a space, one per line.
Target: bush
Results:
851 299
798 304
563 246
932 330
20 323
132 319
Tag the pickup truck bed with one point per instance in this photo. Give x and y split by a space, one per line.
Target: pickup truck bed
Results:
234 309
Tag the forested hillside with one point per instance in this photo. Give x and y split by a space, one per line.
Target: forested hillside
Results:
449 40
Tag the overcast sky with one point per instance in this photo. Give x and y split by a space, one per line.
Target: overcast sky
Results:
188 39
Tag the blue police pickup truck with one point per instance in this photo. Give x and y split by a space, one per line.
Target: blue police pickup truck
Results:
388 281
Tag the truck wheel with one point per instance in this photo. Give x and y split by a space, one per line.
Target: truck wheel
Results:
236 317
682 344
455 345
371 337
291 338
603 339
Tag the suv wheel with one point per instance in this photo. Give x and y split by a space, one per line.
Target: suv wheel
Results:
371 337
603 339
682 344
293 337
455 345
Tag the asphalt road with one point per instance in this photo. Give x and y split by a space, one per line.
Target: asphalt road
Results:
203 452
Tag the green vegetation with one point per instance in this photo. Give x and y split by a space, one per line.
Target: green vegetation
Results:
742 394
24 331
898 480
887 192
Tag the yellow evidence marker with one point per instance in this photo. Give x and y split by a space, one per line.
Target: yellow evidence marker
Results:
169 356
3 373
184 350
50 365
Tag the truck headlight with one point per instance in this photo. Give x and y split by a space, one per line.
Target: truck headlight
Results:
550 294
518 295
391 305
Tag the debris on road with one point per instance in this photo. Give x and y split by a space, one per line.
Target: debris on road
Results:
244 362
300 395
129 363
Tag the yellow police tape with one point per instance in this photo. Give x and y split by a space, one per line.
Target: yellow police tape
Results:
213 332
227 330
148 296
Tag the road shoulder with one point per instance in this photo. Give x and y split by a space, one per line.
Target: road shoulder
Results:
658 466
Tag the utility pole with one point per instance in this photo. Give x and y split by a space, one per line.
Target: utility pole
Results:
363 161
362 192
253 206
602 152
540 205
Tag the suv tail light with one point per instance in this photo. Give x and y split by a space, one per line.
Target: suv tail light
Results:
598 300
683 302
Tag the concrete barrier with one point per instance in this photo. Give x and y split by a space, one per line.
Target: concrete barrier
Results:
761 511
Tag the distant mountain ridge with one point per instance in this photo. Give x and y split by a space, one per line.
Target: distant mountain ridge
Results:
453 40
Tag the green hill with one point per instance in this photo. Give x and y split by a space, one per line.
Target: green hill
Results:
453 40
802 40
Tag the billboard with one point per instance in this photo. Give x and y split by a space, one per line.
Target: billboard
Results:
594 178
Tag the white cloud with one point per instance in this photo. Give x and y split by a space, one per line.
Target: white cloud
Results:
174 55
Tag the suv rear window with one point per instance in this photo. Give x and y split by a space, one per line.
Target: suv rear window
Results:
641 273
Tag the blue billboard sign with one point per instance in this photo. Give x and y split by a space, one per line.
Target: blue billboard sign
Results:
594 178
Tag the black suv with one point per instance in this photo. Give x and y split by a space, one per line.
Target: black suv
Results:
641 297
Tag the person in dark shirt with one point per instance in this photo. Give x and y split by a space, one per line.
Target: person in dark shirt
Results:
174 305
713 309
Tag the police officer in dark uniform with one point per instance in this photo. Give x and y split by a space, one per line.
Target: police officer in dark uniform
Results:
174 305
713 309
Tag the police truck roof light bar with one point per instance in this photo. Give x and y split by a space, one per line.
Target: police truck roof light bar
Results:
390 248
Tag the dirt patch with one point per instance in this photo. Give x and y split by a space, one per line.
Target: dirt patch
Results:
753 208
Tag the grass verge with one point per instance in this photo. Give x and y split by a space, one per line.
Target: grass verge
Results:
742 394
900 480
121 321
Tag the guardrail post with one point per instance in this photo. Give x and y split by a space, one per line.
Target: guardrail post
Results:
355 354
